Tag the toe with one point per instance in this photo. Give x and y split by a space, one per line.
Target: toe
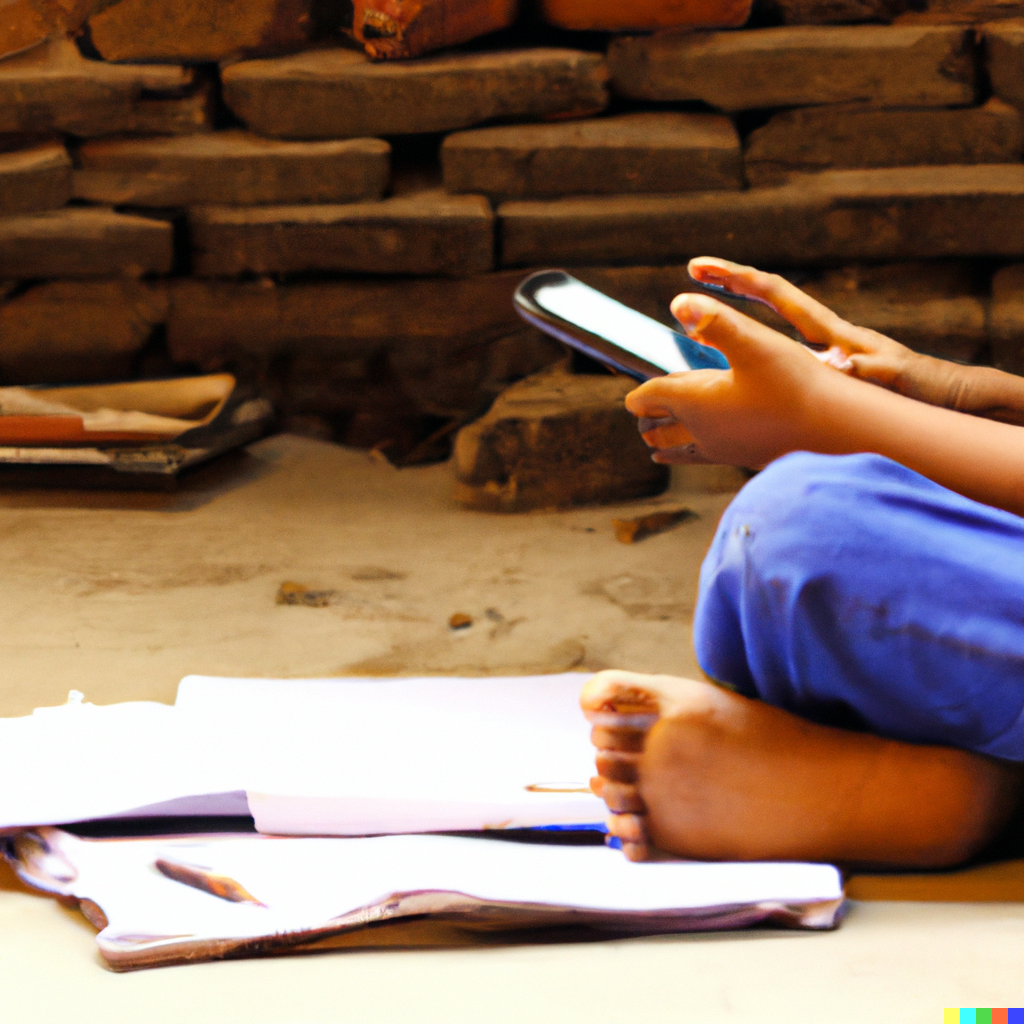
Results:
622 797
617 766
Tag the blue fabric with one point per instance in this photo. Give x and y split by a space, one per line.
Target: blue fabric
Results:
855 592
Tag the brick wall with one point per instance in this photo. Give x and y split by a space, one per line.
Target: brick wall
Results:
350 231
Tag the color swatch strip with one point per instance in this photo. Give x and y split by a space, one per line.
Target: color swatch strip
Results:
983 1015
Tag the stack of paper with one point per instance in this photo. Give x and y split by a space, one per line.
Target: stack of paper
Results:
350 757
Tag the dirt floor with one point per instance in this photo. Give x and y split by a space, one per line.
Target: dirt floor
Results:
121 595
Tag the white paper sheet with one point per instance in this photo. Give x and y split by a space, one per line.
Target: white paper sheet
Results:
330 756
303 885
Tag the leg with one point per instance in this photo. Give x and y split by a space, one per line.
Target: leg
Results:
698 771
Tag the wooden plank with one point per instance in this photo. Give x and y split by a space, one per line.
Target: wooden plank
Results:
35 178
230 167
184 32
642 152
821 138
425 233
77 330
83 242
337 93
644 15
834 216
1004 50
53 88
890 66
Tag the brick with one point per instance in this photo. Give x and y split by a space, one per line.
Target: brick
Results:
820 138
555 440
644 15
963 12
438 346
53 88
835 216
341 94
426 233
36 178
388 30
214 321
27 23
643 152
230 167
186 114
835 12
83 242
182 31
77 330
1006 319
1004 49
887 66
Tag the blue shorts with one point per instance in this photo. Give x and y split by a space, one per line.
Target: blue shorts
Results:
855 592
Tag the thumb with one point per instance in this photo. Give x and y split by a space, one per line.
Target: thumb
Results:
738 337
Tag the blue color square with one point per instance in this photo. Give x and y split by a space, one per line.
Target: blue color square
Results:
1015 1015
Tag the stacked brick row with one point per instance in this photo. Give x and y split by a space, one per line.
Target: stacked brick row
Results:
352 231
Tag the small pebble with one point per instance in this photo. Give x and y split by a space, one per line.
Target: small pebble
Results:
460 620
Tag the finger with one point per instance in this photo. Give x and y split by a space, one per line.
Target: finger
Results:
683 455
640 404
618 766
737 336
647 423
815 321
627 827
674 435
622 797
636 852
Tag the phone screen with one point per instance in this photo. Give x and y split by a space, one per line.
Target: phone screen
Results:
609 331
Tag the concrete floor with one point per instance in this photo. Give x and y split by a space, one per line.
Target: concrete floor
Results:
121 595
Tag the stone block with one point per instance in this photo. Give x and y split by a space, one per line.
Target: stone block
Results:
27 23
1004 50
341 94
886 66
425 233
36 178
821 138
555 440
1006 319
388 30
53 88
644 15
77 330
184 114
962 12
230 167
83 242
832 217
642 152
442 347
185 32
835 12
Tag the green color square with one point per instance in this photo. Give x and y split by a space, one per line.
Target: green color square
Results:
983 1015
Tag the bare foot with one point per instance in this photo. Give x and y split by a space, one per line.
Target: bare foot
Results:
692 769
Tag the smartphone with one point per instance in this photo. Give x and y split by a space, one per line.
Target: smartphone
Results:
596 324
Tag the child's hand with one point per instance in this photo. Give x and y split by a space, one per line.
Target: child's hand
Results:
772 400
853 350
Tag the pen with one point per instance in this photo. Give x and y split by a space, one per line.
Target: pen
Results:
206 881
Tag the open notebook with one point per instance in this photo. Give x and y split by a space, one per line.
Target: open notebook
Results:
175 900
314 756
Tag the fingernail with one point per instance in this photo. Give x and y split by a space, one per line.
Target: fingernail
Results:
693 311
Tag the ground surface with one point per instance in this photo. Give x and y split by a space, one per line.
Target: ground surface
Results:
121 595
